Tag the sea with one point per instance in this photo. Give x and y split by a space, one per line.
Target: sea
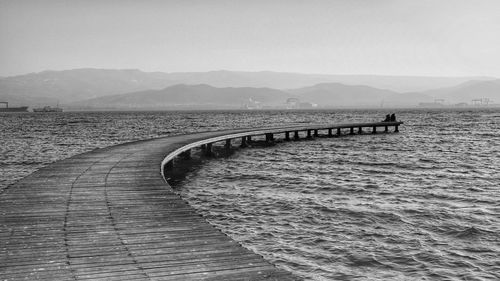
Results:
421 204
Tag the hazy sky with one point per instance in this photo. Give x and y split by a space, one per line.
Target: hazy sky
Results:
399 37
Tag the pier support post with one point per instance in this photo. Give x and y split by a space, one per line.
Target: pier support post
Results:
396 129
287 136
339 132
309 134
386 129
269 137
243 142
374 131
203 146
352 131
208 149
316 133
330 133
296 135
227 146
186 154
360 130
249 139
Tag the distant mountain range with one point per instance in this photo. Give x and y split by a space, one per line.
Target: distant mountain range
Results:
284 80
189 96
79 84
126 89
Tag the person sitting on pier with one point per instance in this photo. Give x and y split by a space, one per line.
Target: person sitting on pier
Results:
387 118
393 117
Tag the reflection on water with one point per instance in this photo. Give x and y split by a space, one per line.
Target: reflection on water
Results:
421 204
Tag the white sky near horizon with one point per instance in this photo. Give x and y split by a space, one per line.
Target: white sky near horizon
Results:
384 37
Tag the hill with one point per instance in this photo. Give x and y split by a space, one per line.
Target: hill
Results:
471 90
78 84
340 95
190 96
336 94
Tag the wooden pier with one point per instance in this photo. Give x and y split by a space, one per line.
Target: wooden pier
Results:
109 215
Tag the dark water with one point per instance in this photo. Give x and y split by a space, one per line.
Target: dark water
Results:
423 204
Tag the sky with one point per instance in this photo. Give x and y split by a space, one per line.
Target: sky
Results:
382 37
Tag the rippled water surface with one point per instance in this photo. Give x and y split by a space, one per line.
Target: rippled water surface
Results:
423 204
30 141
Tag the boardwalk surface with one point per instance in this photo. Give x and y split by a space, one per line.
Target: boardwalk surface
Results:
109 215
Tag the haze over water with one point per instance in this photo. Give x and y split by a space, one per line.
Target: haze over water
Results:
421 204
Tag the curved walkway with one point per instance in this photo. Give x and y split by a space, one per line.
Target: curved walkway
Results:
109 215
